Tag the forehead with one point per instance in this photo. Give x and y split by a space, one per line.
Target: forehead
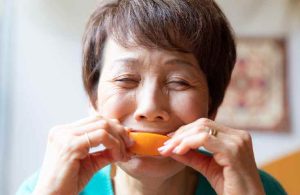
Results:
115 53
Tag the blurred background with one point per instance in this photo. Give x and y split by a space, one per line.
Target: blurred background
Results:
40 78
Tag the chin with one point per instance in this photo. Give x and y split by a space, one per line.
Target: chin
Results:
147 166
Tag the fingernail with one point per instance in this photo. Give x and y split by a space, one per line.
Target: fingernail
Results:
168 142
176 150
162 148
127 129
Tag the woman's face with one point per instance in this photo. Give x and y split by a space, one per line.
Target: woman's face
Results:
152 91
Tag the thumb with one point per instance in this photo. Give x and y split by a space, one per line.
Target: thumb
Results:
101 159
95 162
199 162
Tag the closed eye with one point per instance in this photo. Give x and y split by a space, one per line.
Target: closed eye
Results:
127 83
126 80
179 82
178 85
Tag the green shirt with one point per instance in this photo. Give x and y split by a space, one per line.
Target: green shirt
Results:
101 184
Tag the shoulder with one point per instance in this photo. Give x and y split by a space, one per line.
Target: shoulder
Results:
100 182
271 185
28 185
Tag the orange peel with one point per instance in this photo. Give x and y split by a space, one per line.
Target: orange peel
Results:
146 144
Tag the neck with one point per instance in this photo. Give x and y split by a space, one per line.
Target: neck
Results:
184 182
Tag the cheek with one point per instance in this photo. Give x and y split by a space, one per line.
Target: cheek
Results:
114 104
189 107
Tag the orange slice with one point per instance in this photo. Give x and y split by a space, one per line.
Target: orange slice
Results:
147 143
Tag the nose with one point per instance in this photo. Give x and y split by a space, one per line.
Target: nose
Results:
151 105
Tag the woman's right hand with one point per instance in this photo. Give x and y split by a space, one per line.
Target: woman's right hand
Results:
68 166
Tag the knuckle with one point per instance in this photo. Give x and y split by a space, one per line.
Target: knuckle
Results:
206 137
204 121
103 124
121 131
241 144
54 132
180 130
197 129
103 135
244 139
232 149
124 134
72 144
118 143
246 136
184 142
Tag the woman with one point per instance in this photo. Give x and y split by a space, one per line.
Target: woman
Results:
160 67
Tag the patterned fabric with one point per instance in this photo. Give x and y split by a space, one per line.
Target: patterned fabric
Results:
256 97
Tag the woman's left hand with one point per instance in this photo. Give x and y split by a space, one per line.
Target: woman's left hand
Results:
231 169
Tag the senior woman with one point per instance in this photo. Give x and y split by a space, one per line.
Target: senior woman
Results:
160 67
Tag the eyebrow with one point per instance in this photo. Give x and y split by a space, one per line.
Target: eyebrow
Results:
128 60
179 62
168 62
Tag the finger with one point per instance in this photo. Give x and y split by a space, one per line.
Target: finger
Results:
101 136
204 164
199 125
193 141
180 130
210 124
199 122
202 125
118 147
226 150
113 127
98 160
95 138
77 147
89 127
190 142
187 132
123 134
